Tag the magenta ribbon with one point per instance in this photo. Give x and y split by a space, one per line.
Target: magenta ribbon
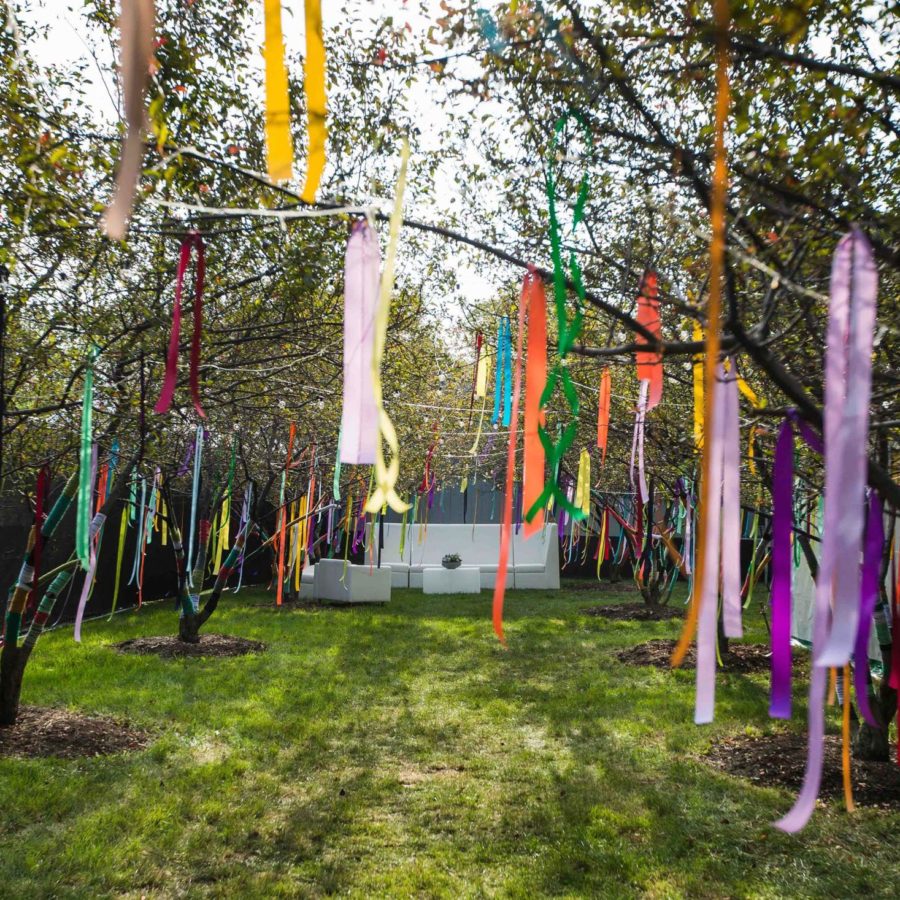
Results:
869 597
359 416
171 378
848 382
782 564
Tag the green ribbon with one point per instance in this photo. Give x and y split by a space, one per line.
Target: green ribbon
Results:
85 488
568 330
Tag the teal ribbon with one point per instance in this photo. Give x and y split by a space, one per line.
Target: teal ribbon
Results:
568 329
85 485
336 482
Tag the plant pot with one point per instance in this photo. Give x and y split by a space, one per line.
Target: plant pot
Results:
451 563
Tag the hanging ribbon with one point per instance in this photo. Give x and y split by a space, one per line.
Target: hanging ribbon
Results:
722 536
506 529
848 381
649 363
314 87
502 373
718 198
870 592
782 567
136 36
85 478
583 484
637 443
336 478
386 474
535 380
171 377
603 413
279 147
95 526
282 527
359 417
567 330
476 371
697 371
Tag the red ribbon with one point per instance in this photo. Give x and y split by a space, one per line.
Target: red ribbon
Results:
649 363
171 378
603 414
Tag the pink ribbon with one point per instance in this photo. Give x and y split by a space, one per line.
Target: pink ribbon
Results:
848 381
359 417
637 442
171 378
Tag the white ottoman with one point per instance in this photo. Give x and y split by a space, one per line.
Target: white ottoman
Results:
464 580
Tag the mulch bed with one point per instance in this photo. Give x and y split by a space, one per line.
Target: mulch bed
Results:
742 657
778 760
44 731
170 647
635 612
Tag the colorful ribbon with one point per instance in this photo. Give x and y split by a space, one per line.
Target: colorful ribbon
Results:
279 147
359 416
386 474
502 373
649 363
314 87
567 330
782 567
535 380
171 378
506 529
603 413
136 35
85 474
846 418
871 575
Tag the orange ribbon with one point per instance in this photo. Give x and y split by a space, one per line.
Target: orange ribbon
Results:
283 527
506 531
603 414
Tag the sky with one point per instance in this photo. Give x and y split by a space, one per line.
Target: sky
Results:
67 42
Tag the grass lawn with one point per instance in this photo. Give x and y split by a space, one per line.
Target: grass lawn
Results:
399 751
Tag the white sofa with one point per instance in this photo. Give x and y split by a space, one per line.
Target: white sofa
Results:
532 564
360 584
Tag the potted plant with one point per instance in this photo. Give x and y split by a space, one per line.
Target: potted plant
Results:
451 561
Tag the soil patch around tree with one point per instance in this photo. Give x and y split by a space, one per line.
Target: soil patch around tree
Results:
635 612
779 760
170 647
744 658
42 731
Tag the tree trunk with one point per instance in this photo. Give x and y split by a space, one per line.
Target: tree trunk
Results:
11 669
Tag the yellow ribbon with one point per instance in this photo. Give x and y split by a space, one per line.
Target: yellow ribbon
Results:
314 85
279 148
583 484
698 389
165 524
123 527
482 375
386 475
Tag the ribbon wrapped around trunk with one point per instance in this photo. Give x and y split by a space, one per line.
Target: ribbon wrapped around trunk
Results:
171 378
359 418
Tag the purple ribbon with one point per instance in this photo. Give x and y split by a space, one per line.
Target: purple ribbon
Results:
848 382
870 588
782 525
188 456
